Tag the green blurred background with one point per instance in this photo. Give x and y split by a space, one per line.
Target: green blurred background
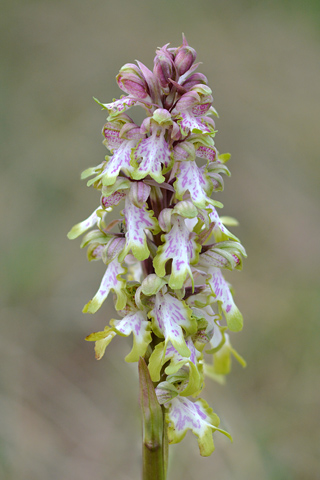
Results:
63 414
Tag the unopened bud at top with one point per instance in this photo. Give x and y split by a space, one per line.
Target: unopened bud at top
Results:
163 66
184 59
130 79
194 79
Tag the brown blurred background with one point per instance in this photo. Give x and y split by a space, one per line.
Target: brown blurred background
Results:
63 414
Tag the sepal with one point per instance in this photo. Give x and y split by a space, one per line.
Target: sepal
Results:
226 254
194 79
111 132
139 193
165 392
131 81
120 184
152 284
186 209
112 249
95 236
113 199
209 329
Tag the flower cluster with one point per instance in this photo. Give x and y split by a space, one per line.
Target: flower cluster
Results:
165 261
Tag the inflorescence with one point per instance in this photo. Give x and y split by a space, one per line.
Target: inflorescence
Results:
165 261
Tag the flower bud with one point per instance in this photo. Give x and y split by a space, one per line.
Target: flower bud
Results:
193 80
188 100
184 59
152 82
131 81
163 68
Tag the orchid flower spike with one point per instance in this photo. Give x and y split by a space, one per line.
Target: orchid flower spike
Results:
165 258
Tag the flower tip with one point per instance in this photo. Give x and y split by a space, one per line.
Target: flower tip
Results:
98 102
90 307
73 233
184 40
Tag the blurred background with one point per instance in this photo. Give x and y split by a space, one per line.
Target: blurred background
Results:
63 415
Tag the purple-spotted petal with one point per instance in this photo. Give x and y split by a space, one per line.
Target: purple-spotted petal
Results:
191 178
137 324
219 230
150 154
119 161
188 122
180 246
114 199
170 317
223 295
119 106
184 415
83 226
111 281
111 132
204 151
137 221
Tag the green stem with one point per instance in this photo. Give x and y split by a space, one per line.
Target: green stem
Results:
154 445
165 444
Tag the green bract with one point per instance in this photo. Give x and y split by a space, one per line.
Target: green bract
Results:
165 259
